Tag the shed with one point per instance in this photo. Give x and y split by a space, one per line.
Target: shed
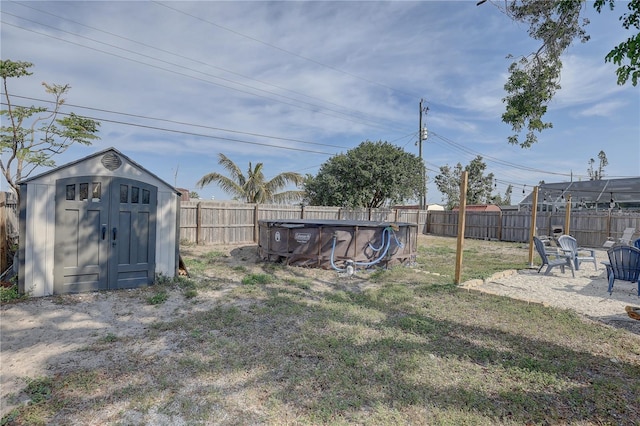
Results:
479 208
99 223
430 207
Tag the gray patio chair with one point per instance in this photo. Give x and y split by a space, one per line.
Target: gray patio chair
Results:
624 264
569 245
625 238
627 235
553 258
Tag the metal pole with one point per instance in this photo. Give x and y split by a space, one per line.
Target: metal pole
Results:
422 136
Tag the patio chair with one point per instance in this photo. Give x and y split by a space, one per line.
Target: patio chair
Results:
625 239
623 264
569 245
553 258
636 243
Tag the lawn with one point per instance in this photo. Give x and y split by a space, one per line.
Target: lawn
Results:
263 343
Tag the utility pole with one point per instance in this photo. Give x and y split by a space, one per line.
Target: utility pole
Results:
422 135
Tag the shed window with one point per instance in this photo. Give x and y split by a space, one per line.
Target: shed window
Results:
146 195
71 192
96 194
135 194
84 191
124 193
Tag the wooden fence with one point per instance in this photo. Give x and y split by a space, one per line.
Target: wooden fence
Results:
211 222
591 229
8 228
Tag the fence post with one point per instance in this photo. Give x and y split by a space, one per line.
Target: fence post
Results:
199 223
255 224
567 216
532 228
427 223
302 211
461 226
3 232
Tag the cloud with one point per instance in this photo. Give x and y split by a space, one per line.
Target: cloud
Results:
585 79
603 109
331 73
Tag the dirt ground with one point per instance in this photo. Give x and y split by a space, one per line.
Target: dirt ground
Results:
45 336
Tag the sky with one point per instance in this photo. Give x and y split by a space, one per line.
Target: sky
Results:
291 84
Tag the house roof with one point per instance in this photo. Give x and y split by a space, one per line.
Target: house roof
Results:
479 208
589 192
94 155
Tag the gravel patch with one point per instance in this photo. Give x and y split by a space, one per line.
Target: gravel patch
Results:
586 293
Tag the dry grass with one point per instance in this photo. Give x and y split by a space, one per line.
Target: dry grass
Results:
255 343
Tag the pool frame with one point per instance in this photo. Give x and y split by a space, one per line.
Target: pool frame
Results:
310 242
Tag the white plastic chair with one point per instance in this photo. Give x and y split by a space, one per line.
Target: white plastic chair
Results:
553 258
569 245
627 236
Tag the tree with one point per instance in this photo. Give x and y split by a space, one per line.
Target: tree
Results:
34 135
478 185
603 162
498 200
507 196
534 79
371 175
254 188
194 195
602 157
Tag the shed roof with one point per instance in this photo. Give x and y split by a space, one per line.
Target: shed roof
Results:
94 155
479 208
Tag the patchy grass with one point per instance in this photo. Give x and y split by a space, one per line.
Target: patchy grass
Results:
11 294
159 297
256 279
480 259
397 346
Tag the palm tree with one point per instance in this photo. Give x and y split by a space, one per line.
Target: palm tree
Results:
253 188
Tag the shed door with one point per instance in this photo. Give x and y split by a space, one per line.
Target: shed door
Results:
104 234
132 233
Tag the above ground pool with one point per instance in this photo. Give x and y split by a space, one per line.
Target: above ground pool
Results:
343 245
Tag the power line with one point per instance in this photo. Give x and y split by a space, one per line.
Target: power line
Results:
284 50
434 170
311 107
357 115
496 160
181 122
183 132
176 54
448 141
